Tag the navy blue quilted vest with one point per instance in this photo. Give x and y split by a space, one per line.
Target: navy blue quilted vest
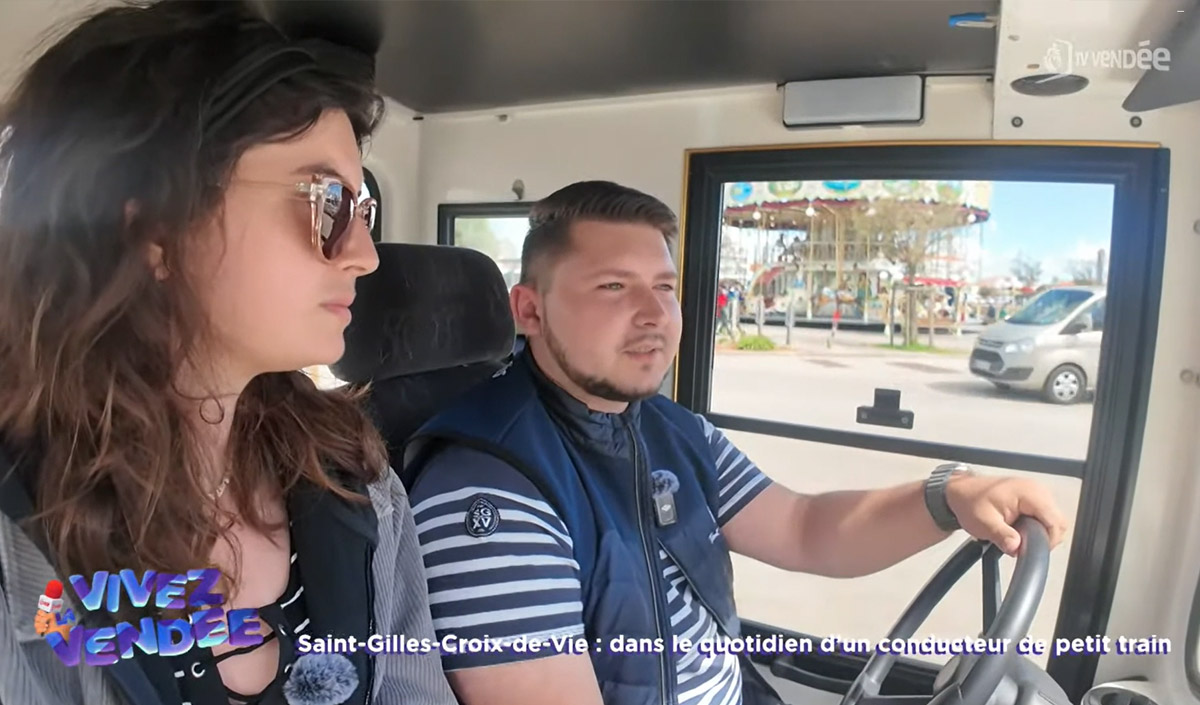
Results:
596 470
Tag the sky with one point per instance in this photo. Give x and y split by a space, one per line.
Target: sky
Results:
1053 223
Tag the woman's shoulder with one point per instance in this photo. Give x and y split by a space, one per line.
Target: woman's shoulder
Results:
396 531
402 601
388 495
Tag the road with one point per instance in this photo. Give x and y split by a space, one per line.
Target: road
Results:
815 384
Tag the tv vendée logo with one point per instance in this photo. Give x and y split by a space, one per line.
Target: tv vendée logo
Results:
205 628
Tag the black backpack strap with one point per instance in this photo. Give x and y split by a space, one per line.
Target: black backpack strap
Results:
16 504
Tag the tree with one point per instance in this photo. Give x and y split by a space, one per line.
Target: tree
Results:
1083 272
1028 271
906 233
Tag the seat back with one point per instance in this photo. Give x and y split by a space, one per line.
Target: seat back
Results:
430 323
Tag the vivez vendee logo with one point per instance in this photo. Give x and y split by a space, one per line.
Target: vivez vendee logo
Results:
208 626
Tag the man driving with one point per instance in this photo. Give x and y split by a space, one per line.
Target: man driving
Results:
568 498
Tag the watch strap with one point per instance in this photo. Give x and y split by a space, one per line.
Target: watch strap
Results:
935 495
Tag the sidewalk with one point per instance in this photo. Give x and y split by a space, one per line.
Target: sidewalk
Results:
849 343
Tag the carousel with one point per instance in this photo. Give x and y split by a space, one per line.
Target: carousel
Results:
845 249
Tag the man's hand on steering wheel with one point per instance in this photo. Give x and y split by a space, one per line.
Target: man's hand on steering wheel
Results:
987 507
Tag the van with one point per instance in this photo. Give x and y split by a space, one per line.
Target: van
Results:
1052 345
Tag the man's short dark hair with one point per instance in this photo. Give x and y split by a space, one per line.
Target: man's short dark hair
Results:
551 218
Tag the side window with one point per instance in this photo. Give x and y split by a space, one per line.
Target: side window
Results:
1091 318
495 229
1098 315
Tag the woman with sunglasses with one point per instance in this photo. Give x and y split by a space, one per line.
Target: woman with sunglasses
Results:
180 234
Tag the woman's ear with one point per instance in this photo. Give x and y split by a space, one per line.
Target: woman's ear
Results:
154 258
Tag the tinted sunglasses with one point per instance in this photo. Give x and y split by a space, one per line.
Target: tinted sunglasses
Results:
334 207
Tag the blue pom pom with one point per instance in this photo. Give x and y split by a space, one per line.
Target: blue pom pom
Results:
321 679
664 482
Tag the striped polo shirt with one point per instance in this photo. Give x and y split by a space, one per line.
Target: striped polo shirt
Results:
523 581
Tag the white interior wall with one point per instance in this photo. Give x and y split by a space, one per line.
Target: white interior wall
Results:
393 155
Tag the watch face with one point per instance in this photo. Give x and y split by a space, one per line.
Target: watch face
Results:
948 468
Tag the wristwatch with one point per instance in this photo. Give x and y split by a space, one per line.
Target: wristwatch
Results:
935 495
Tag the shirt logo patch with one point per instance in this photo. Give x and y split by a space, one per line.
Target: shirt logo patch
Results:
482 518
664 482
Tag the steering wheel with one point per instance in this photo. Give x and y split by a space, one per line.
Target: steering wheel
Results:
976 679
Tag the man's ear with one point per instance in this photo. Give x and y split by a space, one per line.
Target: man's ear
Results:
526 305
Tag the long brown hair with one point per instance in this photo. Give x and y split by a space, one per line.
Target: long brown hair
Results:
90 342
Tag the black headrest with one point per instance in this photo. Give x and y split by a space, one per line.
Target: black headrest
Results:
427 307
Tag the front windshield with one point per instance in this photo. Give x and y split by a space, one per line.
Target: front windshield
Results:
1051 307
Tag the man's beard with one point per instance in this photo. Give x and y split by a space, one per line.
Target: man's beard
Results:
596 386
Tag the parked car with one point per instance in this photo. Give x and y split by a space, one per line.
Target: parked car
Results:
1052 345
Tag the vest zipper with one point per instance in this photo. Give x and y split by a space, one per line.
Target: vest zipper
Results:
696 591
666 689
